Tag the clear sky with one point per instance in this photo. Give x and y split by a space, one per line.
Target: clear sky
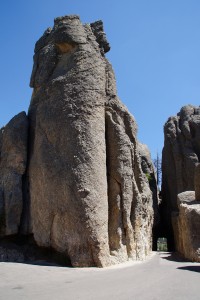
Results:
155 52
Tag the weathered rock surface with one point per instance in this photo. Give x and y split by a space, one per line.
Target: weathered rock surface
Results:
89 198
197 181
149 171
180 154
70 173
186 225
13 158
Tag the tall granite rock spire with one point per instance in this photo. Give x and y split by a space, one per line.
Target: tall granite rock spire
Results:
180 208
87 195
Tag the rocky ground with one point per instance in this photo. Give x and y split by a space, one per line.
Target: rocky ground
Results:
163 276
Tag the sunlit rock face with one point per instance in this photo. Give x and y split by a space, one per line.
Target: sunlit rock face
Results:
86 196
89 197
186 225
181 154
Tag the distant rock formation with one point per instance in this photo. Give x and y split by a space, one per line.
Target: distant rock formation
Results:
149 171
181 153
83 191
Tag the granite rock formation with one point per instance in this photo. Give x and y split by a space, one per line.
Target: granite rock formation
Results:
85 193
181 153
13 159
186 225
186 222
149 170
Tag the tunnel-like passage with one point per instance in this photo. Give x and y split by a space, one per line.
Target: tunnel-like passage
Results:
162 244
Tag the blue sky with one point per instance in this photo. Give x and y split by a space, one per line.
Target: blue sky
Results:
155 52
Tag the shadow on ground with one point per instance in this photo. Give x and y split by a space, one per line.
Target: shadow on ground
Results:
173 256
190 268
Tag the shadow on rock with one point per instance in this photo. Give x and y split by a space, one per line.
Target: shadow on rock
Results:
24 250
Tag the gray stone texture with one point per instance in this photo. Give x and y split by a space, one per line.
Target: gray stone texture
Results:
70 172
89 198
181 153
186 225
149 171
197 181
13 158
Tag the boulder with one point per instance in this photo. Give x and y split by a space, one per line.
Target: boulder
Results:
89 198
186 225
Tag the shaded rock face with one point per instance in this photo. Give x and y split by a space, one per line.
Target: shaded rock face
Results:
149 171
13 158
89 197
181 152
